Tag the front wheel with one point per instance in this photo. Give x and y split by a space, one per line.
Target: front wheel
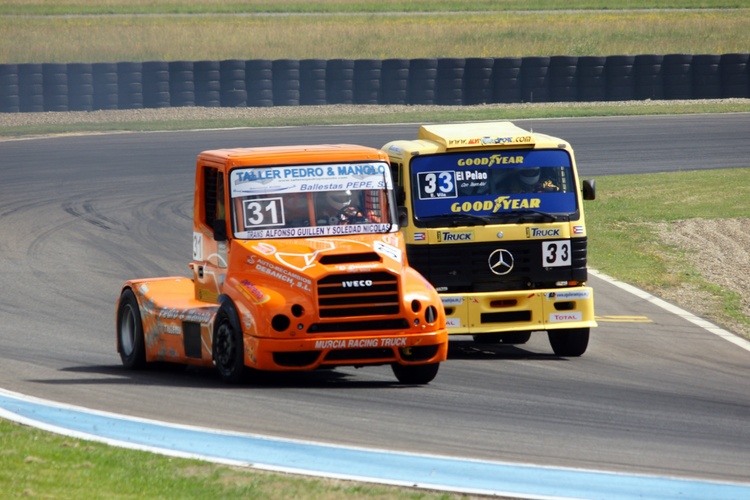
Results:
569 343
415 374
130 340
229 357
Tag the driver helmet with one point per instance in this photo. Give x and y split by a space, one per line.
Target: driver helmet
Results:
529 175
339 199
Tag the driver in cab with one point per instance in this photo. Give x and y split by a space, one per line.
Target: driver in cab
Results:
330 207
336 207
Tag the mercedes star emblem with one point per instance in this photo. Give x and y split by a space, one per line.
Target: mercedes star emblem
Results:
501 262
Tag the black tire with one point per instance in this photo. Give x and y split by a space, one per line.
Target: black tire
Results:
569 343
415 374
130 342
228 348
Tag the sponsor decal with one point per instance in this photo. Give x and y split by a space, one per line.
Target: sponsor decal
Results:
578 294
387 250
486 140
355 268
298 179
452 323
208 295
251 292
496 159
248 322
360 343
356 283
452 301
539 232
197 246
471 175
170 329
285 275
265 248
450 236
566 316
192 315
501 203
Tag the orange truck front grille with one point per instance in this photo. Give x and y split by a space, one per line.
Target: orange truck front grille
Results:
355 295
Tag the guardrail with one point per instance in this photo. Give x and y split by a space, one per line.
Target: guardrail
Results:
428 81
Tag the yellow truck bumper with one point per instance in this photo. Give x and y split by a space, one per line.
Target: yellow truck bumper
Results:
519 310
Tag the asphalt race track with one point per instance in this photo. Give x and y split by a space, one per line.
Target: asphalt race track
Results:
654 394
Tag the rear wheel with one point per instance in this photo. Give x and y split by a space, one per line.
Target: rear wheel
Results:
569 343
130 340
415 374
229 357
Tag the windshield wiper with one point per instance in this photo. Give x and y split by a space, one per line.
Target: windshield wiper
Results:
528 216
456 219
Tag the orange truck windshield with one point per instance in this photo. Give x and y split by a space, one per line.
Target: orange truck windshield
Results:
300 201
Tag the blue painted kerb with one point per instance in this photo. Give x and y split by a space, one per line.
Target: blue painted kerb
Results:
438 472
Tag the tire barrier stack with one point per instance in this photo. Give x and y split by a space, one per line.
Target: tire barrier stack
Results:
425 81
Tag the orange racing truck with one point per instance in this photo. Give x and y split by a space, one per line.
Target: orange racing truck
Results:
298 264
493 218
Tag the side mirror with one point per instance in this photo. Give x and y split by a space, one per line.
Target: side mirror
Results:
400 195
220 230
589 189
403 217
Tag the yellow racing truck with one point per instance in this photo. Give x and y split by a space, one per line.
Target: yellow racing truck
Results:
493 217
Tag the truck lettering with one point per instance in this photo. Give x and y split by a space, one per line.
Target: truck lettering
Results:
500 203
330 344
301 172
471 175
397 342
562 317
360 343
281 274
361 170
256 175
536 232
491 160
449 236
356 283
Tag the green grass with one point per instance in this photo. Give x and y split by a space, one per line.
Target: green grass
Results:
624 230
65 39
91 7
37 464
29 124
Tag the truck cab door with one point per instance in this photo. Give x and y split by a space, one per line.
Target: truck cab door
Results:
210 243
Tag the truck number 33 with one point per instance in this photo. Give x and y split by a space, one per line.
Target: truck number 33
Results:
556 253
